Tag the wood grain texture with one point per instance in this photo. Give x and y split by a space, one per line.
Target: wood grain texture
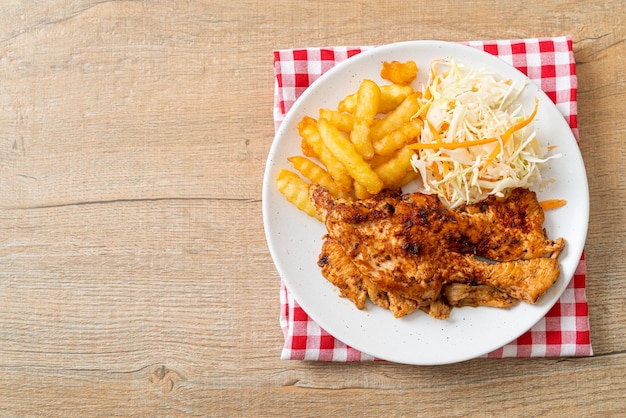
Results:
134 275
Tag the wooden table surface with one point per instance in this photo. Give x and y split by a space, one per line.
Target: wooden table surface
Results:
135 279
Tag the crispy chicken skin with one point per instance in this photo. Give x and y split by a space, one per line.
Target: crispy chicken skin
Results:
403 251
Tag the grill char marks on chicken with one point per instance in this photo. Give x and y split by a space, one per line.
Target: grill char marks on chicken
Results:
407 249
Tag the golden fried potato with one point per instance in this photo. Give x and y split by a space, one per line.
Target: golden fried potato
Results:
394 170
391 95
348 104
412 175
315 174
307 128
399 72
396 118
343 121
366 109
360 192
344 151
307 149
406 134
378 159
296 191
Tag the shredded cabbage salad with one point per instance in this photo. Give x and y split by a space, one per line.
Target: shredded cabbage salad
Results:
475 141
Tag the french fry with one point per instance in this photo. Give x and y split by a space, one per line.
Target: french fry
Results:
408 177
396 118
378 159
315 174
366 109
399 72
406 134
343 121
307 149
394 170
348 104
307 128
296 191
391 95
344 151
360 192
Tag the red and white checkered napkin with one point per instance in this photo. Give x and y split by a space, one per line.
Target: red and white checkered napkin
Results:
549 62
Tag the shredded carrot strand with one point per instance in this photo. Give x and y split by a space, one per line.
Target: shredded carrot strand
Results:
422 110
436 172
552 204
433 131
446 168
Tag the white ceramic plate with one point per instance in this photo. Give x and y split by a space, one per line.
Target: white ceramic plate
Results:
295 239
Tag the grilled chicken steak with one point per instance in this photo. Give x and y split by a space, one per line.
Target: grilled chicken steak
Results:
409 252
